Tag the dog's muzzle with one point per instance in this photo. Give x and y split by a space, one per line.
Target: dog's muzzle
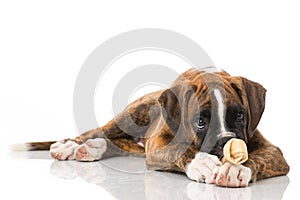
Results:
221 140
224 137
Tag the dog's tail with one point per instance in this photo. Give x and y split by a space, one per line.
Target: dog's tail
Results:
31 146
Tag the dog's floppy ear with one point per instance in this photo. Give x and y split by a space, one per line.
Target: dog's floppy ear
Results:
174 104
253 97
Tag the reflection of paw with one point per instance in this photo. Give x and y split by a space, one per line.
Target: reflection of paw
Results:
63 151
200 191
91 150
165 186
92 172
206 191
230 175
65 170
202 167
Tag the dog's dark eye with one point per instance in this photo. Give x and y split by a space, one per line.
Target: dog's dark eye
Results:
201 123
240 116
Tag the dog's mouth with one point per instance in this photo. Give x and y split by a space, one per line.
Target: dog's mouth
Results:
217 150
231 149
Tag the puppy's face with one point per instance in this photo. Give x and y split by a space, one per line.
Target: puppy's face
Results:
213 108
221 116
228 107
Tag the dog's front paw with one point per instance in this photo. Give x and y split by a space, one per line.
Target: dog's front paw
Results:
230 175
202 168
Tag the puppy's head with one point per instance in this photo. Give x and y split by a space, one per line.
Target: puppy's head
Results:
211 108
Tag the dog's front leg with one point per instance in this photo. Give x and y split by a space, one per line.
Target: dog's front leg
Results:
164 153
265 159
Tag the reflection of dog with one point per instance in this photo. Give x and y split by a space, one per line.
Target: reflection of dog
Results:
184 129
154 185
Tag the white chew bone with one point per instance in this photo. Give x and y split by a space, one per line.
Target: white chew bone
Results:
235 152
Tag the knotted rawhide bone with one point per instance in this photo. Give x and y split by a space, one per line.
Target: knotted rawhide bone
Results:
235 152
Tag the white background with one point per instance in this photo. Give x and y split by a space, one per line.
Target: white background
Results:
43 45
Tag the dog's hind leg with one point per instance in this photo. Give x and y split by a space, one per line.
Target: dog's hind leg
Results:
99 148
123 135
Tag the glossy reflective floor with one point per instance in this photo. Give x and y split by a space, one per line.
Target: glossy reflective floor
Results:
35 174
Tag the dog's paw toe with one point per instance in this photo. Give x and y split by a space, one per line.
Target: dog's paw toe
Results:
231 175
202 168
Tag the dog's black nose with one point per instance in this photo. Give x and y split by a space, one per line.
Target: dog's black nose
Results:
222 141
225 137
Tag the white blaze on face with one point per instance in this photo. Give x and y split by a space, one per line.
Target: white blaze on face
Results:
221 110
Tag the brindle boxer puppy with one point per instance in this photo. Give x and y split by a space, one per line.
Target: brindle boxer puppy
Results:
184 128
